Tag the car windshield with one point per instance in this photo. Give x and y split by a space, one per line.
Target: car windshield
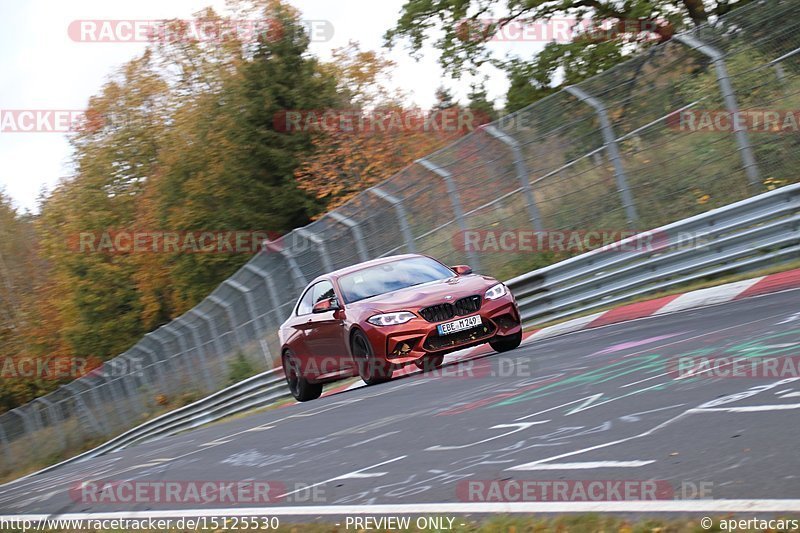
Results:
391 276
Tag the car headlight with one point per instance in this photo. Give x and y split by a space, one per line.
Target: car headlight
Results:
391 319
495 292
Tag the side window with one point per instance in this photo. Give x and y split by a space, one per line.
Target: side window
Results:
322 291
316 293
306 302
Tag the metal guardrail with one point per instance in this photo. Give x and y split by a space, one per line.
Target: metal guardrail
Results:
742 236
738 237
255 392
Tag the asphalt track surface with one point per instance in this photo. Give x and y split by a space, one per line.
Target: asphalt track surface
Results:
602 404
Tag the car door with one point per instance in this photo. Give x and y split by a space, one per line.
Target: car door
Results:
325 338
298 325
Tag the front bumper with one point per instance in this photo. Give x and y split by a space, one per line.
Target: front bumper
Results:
418 338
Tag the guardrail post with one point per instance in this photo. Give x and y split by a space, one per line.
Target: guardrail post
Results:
455 200
270 289
298 277
214 338
201 352
610 141
402 219
320 244
522 174
729 95
355 230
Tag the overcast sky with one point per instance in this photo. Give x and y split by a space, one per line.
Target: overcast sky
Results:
44 69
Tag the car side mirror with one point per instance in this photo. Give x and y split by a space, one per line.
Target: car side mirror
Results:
462 270
323 306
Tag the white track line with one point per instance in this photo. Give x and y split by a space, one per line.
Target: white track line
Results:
584 465
647 506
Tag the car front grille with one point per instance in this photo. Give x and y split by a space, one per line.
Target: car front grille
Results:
467 305
446 311
438 312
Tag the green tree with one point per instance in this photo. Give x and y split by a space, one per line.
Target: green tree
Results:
228 165
617 30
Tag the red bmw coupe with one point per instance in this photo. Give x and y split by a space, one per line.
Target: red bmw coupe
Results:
372 318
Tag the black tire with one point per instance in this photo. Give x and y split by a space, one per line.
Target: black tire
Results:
426 364
506 343
299 386
369 369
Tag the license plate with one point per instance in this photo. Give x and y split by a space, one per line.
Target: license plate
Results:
459 325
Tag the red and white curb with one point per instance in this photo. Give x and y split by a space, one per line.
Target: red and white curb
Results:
658 306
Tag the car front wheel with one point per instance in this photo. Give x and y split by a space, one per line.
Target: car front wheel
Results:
506 343
299 386
369 368
430 363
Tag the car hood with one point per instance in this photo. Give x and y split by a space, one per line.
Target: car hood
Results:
419 296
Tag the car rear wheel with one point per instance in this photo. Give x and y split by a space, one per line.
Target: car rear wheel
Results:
299 386
506 343
370 370
426 364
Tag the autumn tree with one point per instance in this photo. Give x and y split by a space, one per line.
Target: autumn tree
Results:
376 135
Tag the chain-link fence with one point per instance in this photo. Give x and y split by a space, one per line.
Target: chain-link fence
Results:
627 149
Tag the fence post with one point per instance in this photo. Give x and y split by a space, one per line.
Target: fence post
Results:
214 338
128 381
355 230
201 352
522 174
298 277
154 362
320 244
81 406
156 336
455 200
228 308
251 309
6 446
249 302
183 355
54 419
411 246
729 95
270 289
610 141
